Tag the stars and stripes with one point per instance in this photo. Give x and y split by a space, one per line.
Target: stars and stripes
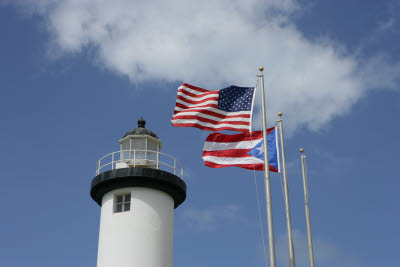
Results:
241 150
226 109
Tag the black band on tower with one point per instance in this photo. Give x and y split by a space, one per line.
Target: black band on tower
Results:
138 177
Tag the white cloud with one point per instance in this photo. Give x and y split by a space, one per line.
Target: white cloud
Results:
207 219
217 43
325 252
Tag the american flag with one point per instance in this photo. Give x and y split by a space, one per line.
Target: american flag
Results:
226 109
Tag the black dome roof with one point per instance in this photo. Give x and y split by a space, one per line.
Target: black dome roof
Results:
141 130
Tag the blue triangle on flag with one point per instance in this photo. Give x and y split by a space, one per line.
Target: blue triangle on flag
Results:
257 151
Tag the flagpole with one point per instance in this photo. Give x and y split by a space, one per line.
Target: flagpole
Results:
310 247
271 243
286 194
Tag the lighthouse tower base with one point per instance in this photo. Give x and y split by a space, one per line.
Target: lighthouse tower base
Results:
142 236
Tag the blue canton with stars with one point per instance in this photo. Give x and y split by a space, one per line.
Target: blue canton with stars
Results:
234 98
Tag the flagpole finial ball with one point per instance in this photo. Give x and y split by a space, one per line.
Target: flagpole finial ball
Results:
280 114
301 150
261 68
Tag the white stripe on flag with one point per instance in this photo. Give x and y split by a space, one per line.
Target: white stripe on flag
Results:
215 110
216 146
230 161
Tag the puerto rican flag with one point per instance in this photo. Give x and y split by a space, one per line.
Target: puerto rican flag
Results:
243 150
230 108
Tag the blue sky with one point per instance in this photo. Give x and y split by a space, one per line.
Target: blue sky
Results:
75 76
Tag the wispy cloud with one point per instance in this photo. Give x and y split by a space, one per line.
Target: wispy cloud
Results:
325 253
387 24
216 43
391 19
208 219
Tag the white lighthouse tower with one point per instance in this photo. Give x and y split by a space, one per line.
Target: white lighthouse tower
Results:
138 188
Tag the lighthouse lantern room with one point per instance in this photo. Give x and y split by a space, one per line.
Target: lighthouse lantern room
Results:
139 148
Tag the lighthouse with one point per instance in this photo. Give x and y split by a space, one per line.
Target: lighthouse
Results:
138 188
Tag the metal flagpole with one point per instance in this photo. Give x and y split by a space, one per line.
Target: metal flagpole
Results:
271 243
310 247
286 194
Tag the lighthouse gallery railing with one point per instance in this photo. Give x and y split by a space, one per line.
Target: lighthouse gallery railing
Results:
139 158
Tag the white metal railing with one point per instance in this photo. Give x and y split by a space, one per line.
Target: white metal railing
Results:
139 158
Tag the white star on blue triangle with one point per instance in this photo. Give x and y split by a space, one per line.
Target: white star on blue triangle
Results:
257 151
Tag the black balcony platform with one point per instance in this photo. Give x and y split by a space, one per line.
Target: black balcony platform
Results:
138 177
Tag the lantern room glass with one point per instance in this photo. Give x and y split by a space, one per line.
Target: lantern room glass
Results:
143 150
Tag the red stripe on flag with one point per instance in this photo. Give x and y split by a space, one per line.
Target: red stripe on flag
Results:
196 102
257 167
233 153
195 88
223 138
194 117
209 128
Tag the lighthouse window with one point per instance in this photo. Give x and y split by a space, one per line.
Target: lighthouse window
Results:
122 202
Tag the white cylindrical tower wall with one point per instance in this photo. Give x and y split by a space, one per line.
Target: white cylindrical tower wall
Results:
140 237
